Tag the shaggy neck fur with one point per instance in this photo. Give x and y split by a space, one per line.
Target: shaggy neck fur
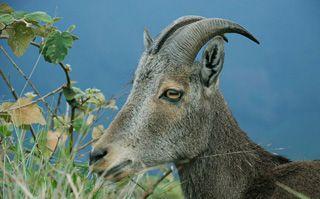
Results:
229 164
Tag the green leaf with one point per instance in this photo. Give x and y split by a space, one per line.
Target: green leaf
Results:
95 96
44 31
5 9
6 19
77 124
19 14
57 125
69 93
80 126
39 17
74 37
20 37
73 95
56 19
71 28
56 47
5 130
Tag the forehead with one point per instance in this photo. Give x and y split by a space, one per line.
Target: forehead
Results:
153 68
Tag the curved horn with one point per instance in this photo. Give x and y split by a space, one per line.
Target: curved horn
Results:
169 30
186 44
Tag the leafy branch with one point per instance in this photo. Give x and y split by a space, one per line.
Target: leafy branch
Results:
15 95
55 91
22 29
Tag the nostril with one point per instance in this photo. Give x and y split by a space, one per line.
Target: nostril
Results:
96 155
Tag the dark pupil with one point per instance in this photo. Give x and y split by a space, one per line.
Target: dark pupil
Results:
173 94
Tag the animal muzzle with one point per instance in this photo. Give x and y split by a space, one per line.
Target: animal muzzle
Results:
111 166
97 155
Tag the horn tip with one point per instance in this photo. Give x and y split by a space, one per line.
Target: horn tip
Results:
255 40
225 38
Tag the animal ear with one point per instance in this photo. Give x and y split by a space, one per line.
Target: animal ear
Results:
212 61
147 39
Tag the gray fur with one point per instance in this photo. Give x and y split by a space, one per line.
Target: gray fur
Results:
223 161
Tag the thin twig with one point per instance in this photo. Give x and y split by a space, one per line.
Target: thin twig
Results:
29 82
139 185
31 73
56 109
39 99
228 153
12 90
66 72
152 189
23 75
15 96
87 144
62 65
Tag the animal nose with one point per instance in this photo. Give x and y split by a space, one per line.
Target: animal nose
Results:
96 155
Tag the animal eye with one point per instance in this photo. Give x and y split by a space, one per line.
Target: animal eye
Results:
172 95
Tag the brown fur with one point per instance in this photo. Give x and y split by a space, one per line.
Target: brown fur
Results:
225 173
151 130
303 177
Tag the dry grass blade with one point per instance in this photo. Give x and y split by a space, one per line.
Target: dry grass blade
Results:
19 183
73 186
293 192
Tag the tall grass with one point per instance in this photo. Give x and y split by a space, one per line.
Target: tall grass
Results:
30 170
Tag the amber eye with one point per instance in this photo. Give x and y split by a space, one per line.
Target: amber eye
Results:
172 95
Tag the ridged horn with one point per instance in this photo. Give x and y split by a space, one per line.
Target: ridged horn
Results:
169 30
186 44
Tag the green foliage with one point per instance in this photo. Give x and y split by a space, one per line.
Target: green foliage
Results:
39 17
71 28
56 46
6 19
6 130
44 31
22 27
19 15
5 9
72 93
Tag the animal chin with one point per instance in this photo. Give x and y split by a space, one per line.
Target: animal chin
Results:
117 172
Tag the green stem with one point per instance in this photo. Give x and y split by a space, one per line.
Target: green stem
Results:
73 110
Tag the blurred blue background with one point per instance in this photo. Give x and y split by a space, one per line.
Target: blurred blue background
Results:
272 88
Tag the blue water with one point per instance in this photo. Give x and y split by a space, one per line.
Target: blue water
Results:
272 88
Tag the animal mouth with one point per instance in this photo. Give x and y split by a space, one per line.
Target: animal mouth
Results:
117 172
